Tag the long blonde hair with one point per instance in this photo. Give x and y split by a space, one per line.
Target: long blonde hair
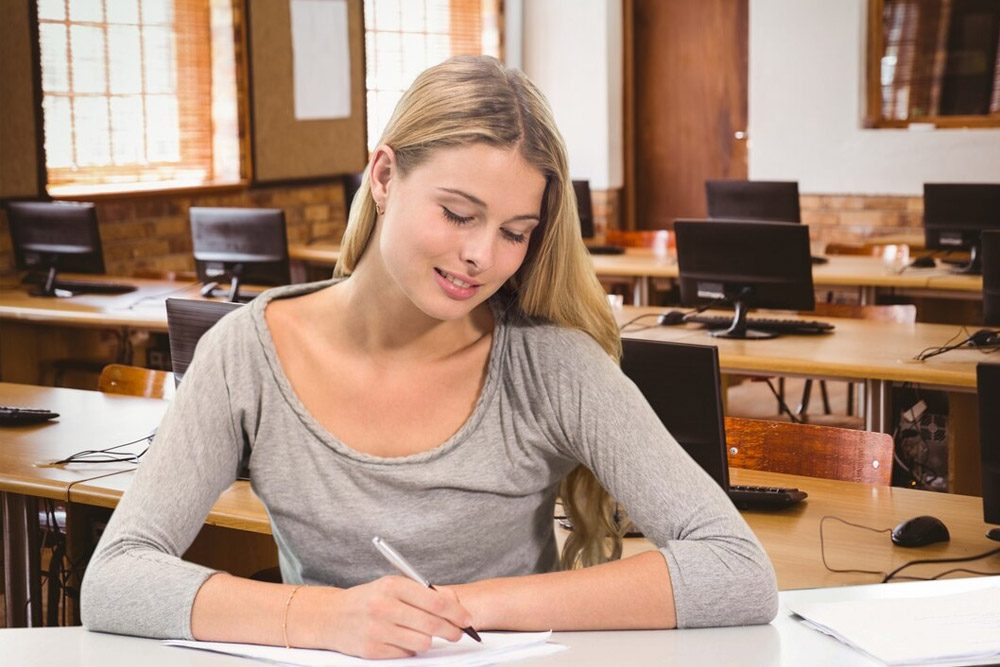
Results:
467 100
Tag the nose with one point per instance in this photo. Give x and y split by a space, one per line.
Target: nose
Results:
478 248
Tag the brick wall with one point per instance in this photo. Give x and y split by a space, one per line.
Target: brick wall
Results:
150 233
857 218
607 210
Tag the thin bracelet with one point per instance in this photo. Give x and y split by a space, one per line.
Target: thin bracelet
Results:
284 620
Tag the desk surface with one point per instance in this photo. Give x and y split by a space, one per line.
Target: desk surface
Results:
87 420
856 349
785 641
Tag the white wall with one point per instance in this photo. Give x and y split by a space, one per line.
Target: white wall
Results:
572 49
806 104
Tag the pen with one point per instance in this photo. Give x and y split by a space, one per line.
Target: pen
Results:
403 566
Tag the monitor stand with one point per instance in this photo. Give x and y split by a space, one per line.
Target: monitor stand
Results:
738 329
48 288
993 534
974 266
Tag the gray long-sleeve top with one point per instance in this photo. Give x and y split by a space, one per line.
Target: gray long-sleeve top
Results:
479 505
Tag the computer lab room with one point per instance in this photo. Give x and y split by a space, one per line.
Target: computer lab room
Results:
792 208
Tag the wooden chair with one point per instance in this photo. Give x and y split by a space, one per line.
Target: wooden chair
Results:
814 451
136 381
898 313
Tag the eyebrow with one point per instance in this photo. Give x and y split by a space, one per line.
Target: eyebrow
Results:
481 204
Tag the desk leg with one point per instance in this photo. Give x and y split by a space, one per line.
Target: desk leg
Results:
640 294
21 558
868 295
878 406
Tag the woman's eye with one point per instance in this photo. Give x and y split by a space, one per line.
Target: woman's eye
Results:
453 217
514 238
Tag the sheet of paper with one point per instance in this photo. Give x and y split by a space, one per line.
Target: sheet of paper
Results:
902 631
321 59
497 647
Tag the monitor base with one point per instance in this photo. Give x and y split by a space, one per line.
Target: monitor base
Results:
993 534
752 334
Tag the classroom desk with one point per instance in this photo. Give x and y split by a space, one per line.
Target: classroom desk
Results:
878 354
640 265
88 420
783 642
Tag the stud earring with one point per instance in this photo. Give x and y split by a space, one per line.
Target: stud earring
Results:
379 209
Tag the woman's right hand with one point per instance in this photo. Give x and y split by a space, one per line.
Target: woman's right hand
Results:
391 617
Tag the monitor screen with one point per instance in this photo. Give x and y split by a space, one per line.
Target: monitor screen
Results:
991 278
774 201
681 384
746 264
585 206
240 245
956 213
988 387
60 234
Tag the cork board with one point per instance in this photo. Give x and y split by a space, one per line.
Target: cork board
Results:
284 148
19 149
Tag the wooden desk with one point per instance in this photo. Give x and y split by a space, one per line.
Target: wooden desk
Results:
879 354
785 642
88 420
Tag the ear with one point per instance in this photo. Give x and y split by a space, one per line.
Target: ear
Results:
383 170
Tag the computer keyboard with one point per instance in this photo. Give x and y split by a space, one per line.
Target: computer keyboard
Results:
12 416
764 497
606 249
82 286
763 324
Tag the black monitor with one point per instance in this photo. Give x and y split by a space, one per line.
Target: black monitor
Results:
991 278
988 387
240 245
49 237
681 383
773 201
955 214
746 264
585 206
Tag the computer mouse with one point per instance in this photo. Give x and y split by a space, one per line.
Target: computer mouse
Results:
920 531
671 317
923 262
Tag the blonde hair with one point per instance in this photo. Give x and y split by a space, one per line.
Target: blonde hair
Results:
467 100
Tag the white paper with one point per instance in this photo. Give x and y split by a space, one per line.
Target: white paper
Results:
321 59
902 631
496 647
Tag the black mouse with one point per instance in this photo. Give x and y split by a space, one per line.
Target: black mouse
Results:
920 531
923 262
671 317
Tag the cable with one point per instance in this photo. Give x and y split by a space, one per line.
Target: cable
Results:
782 405
87 455
822 544
163 295
636 319
983 338
963 559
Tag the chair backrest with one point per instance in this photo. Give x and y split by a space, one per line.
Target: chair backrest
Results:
187 321
904 313
136 381
585 207
813 451
772 201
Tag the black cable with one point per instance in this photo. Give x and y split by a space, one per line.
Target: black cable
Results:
985 340
963 559
636 319
85 456
163 295
781 403
822 544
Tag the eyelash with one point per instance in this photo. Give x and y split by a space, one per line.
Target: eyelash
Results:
459 220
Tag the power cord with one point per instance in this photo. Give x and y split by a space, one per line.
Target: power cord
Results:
983 338
108 454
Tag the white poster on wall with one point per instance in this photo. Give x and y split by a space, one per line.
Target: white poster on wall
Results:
321 59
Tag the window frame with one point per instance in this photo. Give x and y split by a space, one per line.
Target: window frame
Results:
873 87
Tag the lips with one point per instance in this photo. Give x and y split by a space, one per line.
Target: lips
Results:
455 286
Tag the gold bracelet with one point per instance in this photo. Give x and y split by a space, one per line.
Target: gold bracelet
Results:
284 620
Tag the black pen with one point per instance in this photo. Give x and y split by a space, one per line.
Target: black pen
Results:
403 566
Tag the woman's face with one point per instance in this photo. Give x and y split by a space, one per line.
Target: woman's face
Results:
456 228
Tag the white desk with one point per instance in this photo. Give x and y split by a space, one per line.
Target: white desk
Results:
784 642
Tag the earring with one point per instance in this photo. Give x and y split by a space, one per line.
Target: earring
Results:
379 209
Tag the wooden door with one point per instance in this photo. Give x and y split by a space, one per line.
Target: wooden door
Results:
686 105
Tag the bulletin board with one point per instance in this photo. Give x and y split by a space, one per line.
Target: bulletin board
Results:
21 172
285 148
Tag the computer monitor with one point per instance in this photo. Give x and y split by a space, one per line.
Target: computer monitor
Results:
681 383
585 206
772 201
991 278
745 264
240 245
955 214
49 237
988 387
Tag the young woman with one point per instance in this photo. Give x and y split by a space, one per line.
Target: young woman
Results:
457 371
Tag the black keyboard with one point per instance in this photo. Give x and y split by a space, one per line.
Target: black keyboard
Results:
764 497
11 416
816 259
606 249
763 324
93 287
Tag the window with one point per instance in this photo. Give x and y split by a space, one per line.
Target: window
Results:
934 61
405 37
138 94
